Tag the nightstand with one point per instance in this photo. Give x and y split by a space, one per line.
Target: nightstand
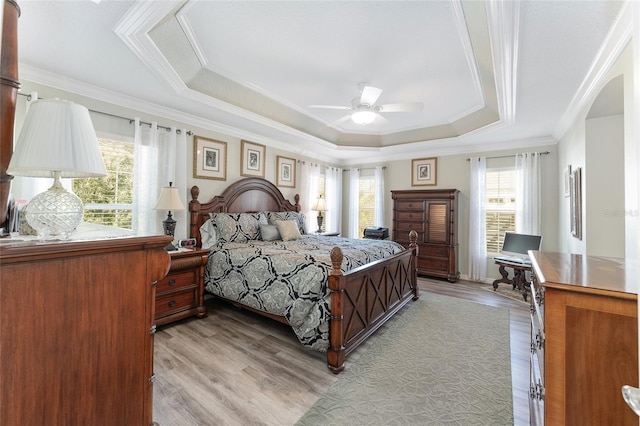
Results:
328 234
181 293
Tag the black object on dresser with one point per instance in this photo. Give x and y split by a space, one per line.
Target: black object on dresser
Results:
433 214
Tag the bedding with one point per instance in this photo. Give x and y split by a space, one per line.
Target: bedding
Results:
288 278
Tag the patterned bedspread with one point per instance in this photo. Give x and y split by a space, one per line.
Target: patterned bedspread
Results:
289 278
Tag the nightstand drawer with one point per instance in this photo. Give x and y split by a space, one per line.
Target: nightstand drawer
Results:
177 281
175 302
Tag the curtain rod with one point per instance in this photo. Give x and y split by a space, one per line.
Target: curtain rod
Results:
131 121
513 155
364 168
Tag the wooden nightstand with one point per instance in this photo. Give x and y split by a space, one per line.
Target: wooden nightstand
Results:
181 293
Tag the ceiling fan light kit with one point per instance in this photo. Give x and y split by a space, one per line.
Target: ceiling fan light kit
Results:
363 117
365 110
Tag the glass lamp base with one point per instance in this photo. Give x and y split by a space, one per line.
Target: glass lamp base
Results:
54 213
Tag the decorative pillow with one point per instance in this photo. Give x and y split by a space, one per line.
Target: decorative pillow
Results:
298 217
237 227
208 234
269 233
288 230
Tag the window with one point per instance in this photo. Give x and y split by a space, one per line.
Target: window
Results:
500 206
109 200
366 204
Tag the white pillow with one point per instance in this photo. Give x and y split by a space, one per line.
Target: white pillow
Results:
288 230
208 234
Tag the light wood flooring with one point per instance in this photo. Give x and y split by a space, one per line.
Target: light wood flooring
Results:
237 368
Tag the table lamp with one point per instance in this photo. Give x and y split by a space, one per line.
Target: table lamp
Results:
57 140
169 200
320 206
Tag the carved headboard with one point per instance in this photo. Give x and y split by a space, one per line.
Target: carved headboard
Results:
246 195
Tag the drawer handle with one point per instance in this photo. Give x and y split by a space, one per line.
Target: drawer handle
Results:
172 303
172 282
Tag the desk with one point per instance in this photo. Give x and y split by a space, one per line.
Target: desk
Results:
519 275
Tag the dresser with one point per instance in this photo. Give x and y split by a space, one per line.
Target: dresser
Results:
76 330
181 293
433 214
584 339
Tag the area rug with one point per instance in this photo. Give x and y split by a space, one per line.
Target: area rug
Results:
507 290
444 361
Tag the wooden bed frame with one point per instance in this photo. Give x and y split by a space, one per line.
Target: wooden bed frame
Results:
362 299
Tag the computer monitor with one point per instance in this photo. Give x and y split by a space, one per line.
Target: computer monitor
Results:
519 244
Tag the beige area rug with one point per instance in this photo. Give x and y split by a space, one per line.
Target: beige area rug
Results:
444 361
507 290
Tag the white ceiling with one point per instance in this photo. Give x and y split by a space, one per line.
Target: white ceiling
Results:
500 74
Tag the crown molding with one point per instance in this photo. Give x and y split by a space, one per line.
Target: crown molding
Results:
614 44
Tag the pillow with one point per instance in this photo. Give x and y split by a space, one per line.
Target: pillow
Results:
269 233
237 227
298 217
208 234
288 230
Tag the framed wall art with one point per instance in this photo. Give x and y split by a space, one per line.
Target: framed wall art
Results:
567 181
209 158
424 172
252 159
286 172
575 202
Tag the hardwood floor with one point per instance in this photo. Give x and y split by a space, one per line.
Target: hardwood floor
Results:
226 369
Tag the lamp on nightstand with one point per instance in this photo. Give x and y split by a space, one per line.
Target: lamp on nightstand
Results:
169 200
320 206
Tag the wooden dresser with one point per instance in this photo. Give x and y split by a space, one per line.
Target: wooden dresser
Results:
76 330
584 339
433 214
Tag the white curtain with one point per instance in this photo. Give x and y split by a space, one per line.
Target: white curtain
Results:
528 193
156 155
333 194
477 220
379 194
309 183
354 202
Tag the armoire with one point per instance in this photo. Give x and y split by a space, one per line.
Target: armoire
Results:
433 214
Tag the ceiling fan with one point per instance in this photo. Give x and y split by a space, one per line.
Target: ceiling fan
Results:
364 108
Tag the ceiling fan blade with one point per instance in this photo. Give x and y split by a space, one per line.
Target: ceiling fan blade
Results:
402 107
340 120
344 108
370 95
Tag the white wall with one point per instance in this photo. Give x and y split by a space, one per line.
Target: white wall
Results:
586 144
604 186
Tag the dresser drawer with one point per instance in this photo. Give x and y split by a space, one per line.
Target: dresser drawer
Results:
434 251
177 281
175 302
410 216
432 264
409 226
409 205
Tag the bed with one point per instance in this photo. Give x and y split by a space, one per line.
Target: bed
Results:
339 291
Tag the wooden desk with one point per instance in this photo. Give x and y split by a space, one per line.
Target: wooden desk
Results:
519 279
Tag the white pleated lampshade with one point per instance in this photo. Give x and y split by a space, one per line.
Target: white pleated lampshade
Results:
57 136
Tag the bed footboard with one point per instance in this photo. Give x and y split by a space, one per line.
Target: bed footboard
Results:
363 299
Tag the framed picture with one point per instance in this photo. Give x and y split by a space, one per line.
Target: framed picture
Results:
424 172
575 202
209 158
286 169
252 159
567 181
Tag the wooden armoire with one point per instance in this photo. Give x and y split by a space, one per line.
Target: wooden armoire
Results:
433 214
